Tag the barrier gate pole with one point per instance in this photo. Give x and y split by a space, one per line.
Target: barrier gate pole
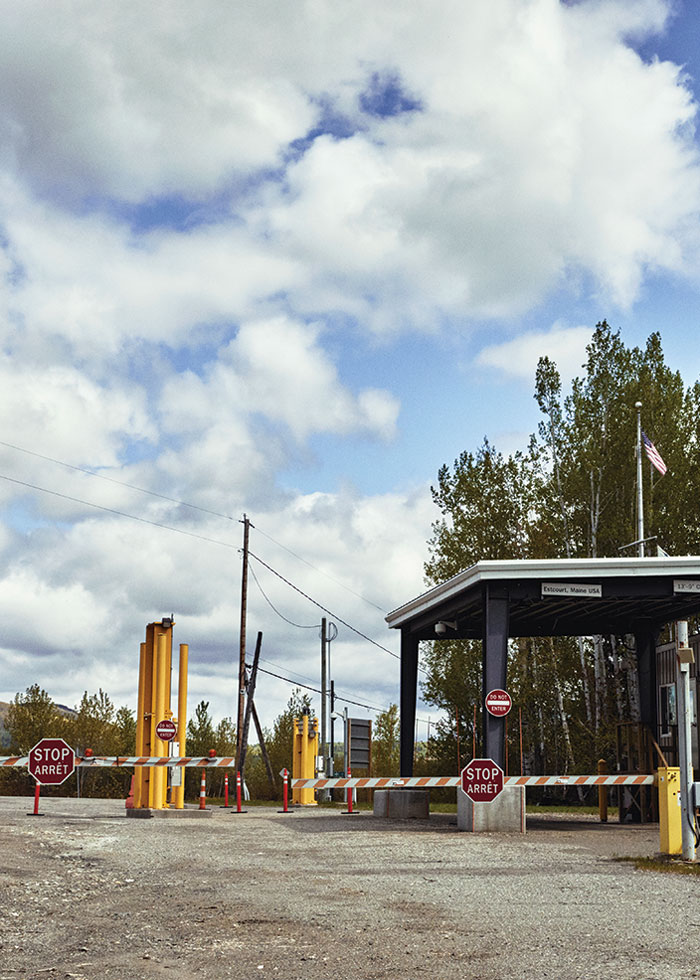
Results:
238 795
285 793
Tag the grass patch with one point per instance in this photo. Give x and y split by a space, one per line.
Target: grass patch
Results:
665 865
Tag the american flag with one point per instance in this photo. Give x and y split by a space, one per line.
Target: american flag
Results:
653 454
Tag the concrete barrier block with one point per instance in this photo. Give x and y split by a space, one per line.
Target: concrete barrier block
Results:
504 815
402 803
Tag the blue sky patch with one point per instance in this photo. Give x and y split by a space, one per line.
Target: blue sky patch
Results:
385 97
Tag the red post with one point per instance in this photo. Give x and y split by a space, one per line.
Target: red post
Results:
226 790
285 791
203 791
238 792
37 790
349 793
520 722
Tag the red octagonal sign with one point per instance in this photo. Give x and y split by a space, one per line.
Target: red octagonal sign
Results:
482 780
51 761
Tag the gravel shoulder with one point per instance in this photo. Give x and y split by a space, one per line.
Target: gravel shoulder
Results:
87 893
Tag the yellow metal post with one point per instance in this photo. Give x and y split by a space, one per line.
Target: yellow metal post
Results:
178 794
304 758
139 773
670 827
603 792
160 748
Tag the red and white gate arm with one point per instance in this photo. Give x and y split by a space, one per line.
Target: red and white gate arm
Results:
431 782
358 782
117 761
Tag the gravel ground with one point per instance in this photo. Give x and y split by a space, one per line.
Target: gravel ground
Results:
88 894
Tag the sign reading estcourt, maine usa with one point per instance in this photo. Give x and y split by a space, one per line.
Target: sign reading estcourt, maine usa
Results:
51 761
482 780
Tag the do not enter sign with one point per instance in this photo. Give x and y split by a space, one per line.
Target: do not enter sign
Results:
166 730
51 761
482 780
498 703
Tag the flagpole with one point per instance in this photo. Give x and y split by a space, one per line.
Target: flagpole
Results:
640 500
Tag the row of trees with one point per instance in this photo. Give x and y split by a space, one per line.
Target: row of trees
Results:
98 725
569 493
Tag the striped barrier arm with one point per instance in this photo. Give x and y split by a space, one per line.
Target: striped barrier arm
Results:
431 782
341 782
102 761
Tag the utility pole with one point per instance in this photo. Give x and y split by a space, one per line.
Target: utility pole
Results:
324 692
685 753
241 651
640 499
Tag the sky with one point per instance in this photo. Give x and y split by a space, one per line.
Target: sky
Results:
287 261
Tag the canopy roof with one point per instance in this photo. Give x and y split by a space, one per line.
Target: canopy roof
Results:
558 597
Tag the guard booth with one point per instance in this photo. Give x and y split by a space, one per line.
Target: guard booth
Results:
667 708
493 601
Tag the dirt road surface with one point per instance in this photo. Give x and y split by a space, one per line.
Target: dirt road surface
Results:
87 893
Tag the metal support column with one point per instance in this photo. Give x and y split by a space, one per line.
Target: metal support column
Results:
409 687
494 668
646 672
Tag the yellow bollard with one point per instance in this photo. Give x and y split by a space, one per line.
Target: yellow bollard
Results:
670 828
158 747
603 792
141 774
178 793
304 758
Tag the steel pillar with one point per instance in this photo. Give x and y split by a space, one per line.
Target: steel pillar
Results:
494 668
409 687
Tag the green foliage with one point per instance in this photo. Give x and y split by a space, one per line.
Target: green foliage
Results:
385 743
571 493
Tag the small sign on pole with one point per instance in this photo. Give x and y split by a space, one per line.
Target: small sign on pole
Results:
166 730
498 703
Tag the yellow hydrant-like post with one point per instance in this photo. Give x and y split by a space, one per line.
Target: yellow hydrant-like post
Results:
304 758
160 748
603 792
178 794
141 774
670 824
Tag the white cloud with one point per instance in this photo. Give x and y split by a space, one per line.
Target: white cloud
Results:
189 279
566 346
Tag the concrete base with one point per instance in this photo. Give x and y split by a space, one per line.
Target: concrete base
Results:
144 813
402 804
504 815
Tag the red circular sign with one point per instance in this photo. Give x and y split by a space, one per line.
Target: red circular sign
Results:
498 703
482 780
166 730
51 761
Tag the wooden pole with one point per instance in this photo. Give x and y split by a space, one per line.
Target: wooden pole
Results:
250 694
241 646
263 749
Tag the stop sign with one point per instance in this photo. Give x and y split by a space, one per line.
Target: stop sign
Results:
482 780
51 761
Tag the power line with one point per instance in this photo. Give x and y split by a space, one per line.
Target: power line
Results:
330 613
119 513
319 570
174 500
316 690
120 483
274 609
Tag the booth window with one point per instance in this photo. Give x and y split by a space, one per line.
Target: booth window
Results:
668 716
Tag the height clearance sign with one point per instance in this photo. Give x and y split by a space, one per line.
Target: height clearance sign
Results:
482 780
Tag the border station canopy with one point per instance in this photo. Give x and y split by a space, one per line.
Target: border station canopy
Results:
495 600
